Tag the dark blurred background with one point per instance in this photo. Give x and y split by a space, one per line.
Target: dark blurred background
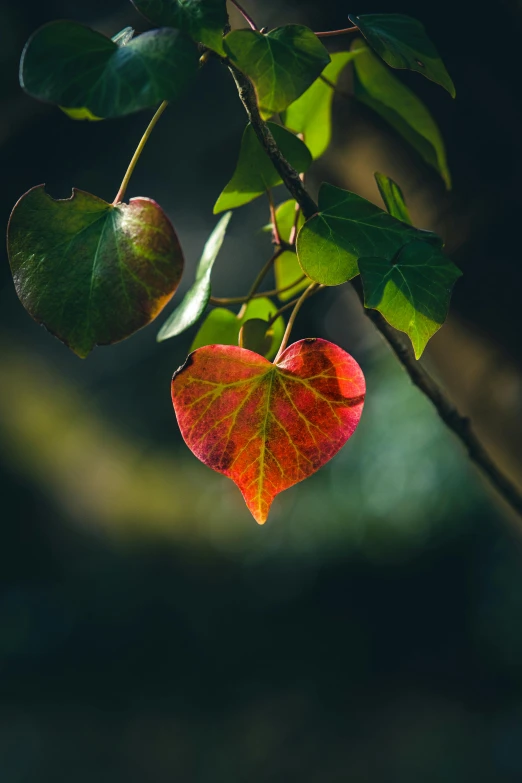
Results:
150 631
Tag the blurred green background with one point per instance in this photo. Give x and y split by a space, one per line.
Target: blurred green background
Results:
371 631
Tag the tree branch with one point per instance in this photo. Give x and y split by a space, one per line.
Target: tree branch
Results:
458 424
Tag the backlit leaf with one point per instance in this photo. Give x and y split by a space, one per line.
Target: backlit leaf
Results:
255 173
375 86
347 228
268 426
392 197
75 67
286 266
90 272
281 64
222 326
256 335
412 292
402 42
311 113
196 299
203 20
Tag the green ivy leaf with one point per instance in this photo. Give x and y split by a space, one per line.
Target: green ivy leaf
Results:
222 326
286 267
256 335
281 64
412 292
196 299
311 113
346 228
377 87
402 43
70 65
203 20
255 173
393 199
90 272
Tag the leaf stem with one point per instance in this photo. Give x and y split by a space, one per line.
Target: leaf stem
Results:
273 219
288 305
228 300
244 14
259 279
330 33
290 325
139 149
458 424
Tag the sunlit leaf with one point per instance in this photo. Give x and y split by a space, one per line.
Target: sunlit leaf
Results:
286 266
268 426
402 42
256 335
196 299
75 67
392 197
90 272
255 173
412 292
281 64
203 20
347 228
222 326
311 113
378 88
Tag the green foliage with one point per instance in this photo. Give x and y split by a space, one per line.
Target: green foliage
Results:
70 65
412 291
286 266
222 326
203 20
376 87
311 113
93 273
402 43
255 173
256 335
393 199
197 297
347 228
281 64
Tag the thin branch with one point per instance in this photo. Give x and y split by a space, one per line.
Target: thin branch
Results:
245 14
228 300
273 318
291 320
139 149
458 424
273 219
330 33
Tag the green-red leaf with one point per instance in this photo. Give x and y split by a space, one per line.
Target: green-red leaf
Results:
268 426
70 65
412 292
375 86
393 199
281 64
346 228
222 326
90 272
203 20
196 299
255 173
402 42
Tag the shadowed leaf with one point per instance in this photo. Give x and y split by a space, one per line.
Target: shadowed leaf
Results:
256 335
281 64
286 266
222 326
392 196
254 173
203 20
196 299
90 272
375 86
70 65
311 113
413 292
402 42
268 426
347 228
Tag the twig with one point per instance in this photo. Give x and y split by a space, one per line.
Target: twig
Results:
330 33
273 318
245 15
273 219
458 424
242 299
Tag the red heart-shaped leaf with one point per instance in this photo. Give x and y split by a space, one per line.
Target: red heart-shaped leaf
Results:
267 426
